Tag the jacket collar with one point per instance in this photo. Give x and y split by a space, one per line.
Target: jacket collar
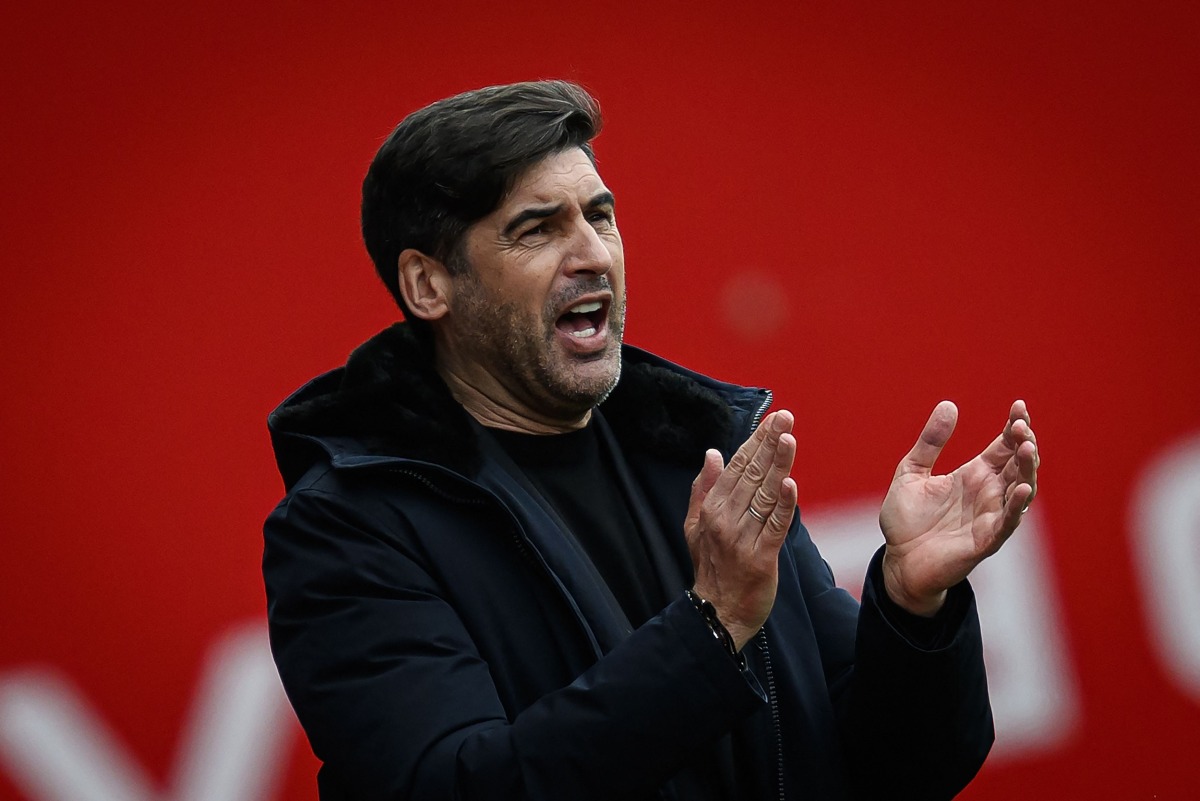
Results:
389 402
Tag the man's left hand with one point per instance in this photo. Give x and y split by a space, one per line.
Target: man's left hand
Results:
939 527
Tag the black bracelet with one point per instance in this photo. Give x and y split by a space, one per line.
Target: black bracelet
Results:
709 613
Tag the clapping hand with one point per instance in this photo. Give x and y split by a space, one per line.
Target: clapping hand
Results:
939 527
737 520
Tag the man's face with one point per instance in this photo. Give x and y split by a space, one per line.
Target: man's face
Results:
536 320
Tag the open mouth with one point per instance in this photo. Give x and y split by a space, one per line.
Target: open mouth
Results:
583 320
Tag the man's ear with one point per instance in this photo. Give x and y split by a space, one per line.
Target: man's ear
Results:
425 284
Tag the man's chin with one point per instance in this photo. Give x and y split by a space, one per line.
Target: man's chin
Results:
584 383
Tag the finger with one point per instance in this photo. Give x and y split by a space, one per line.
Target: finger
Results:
1018 411
1018 417
1021 469
757 474
1028 460
934 436
1014 507
765 497
710 471
999 454
779 520
748 464
1014 468
742 457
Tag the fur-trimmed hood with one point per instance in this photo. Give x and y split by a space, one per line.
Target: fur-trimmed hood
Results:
388 402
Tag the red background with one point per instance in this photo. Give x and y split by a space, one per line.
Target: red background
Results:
914 200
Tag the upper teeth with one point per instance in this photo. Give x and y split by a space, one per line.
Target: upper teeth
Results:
586 308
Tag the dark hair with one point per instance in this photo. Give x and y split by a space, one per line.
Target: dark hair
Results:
452 163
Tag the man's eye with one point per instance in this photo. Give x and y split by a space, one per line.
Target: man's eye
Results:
603 217
534 231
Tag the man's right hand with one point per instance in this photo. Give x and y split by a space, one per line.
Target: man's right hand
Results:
737 519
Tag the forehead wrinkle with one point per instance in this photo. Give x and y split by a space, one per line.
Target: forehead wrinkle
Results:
578 192
567 180
549 179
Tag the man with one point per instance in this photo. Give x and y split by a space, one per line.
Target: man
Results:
518 559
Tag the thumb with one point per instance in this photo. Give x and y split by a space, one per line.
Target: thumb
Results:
934 437
707 478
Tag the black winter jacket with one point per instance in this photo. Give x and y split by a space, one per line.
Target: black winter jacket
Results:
439 638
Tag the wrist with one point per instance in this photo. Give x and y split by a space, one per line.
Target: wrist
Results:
915 603
721 634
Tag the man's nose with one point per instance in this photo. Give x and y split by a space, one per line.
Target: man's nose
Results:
588 252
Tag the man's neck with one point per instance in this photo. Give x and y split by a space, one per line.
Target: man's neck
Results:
493 407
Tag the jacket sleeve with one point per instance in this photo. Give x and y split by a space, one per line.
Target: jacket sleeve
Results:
398 703
910 698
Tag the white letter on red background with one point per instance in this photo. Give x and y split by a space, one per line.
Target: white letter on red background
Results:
234 747
1165 521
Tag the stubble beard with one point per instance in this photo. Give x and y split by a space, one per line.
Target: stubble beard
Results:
524 354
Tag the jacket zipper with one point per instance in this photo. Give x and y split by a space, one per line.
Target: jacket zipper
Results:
765 650
433 487
762 410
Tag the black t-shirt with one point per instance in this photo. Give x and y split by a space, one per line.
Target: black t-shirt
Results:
575 475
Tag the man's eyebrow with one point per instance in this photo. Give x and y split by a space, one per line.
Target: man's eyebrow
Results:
603 199
531 213
543 212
